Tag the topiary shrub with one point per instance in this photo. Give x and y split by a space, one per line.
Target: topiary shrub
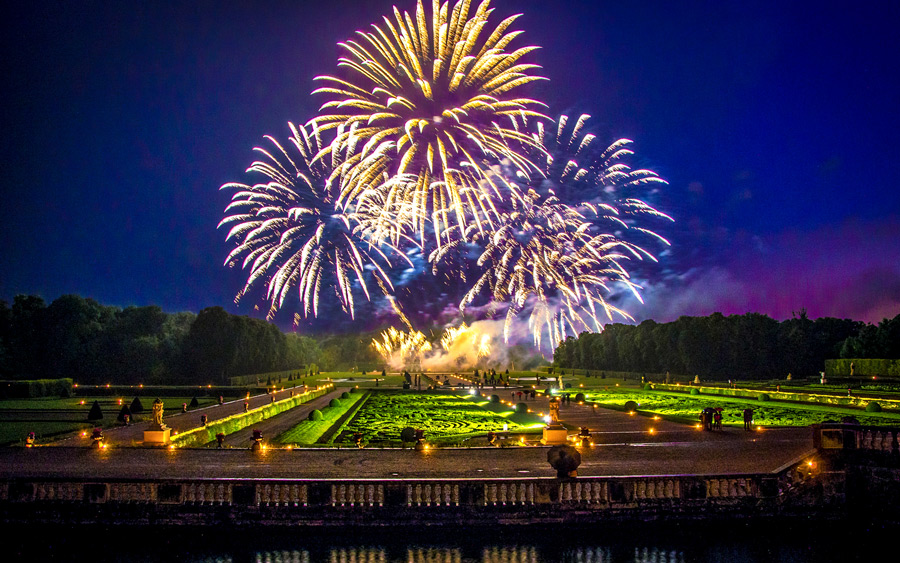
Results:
194 404
122 413
316 414
873 407
579 398
695 391
334 403
631 406
521 407
763 397
136 406
494 399
408 434
95 412
345 395
648 386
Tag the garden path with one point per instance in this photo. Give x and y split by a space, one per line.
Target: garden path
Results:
180 422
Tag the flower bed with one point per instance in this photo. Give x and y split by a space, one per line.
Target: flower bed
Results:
688 407
386 414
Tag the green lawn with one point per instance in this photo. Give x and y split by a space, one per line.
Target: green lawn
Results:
69 415
308 432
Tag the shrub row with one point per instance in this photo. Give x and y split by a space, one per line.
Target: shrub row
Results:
203 435
863 366
833 400
32 388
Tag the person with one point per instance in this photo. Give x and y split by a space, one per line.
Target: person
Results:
718 419
748 418
491 438
220 439
221 400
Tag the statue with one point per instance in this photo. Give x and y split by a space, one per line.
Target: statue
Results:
158 413
554 410
559 381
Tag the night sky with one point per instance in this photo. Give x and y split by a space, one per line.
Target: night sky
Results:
776 124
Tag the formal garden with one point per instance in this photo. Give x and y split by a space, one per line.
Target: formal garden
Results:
375 409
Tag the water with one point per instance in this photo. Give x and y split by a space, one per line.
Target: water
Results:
696 542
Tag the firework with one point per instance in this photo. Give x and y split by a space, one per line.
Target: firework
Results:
467 337
403 346
433 101
289 232
555 259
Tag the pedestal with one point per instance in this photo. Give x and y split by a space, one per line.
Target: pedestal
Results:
554 434
157 437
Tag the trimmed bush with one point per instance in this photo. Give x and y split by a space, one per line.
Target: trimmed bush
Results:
631 406
194 404
136 406
494 398
122 413
345 395
334 403
579 398
763 397
873 407
521 407
695 391
95 413
316 414
648 386
408 434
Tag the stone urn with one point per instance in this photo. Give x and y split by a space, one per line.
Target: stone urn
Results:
565 460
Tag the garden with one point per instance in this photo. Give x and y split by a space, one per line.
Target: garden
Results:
444 417
686 408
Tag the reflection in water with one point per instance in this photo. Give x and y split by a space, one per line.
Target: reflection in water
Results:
294 556
357 555
510 555
489 554
678 544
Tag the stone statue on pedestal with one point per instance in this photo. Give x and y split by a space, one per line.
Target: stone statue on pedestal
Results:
158 414
554 410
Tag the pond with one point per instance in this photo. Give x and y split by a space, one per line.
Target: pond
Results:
700 541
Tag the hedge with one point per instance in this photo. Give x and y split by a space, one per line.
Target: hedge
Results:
863 366
813 398
32 388
203 435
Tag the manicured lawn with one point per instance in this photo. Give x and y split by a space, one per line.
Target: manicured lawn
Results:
768 413
308 432
441 416
51 416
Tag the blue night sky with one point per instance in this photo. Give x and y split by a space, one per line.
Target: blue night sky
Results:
775 123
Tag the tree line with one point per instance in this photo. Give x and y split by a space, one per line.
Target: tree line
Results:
81 339
750 346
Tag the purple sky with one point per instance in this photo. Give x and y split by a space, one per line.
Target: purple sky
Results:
776 124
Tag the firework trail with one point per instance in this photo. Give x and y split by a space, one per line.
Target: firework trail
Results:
289 233
431 100
428 136
555 259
